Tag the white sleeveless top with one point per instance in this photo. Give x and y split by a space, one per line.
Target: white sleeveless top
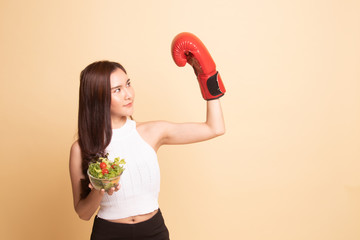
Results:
140 181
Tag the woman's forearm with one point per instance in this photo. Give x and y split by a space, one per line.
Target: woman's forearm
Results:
88 206
214 117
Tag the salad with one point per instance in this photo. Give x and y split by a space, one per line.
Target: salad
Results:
103 168
105 174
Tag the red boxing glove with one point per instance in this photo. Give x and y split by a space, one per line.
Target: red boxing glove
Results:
187 48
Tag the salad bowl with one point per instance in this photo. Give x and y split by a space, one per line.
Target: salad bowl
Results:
104 183
105 174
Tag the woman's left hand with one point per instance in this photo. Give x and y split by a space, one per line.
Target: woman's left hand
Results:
113 189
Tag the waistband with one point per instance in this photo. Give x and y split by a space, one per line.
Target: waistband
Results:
156 218
151 229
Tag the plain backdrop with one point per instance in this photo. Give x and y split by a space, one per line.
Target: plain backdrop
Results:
288 165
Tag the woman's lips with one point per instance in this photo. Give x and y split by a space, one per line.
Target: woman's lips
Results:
128 105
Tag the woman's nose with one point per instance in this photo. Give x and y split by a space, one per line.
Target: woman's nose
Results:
128 93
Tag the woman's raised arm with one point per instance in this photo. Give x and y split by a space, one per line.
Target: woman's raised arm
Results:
183 133
187 48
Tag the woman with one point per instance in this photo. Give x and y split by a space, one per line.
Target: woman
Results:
105 126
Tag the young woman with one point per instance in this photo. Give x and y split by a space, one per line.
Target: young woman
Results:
105 126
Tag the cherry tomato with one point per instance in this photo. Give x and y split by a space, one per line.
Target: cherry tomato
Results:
104 171
102 165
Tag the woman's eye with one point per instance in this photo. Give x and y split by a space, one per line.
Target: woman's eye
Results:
117 90
128 84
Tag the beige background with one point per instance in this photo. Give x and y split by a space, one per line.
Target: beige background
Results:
288 166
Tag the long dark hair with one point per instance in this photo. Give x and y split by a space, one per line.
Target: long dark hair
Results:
94 120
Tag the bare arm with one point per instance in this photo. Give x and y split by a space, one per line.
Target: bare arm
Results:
183 133
187 48
86 207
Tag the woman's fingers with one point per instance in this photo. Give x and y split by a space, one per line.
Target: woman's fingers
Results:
110 191
113 189
102 191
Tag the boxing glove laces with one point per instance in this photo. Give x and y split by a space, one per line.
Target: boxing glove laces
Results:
187 48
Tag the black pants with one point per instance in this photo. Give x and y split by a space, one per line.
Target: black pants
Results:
152 229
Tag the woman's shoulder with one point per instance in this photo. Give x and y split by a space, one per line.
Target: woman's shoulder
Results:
75 148
75 145
151 125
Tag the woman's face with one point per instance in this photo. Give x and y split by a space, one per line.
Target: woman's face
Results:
122 96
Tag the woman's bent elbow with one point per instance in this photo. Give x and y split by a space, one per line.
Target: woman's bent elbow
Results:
83 215
219 132
85 218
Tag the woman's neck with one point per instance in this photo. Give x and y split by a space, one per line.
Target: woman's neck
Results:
118 122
